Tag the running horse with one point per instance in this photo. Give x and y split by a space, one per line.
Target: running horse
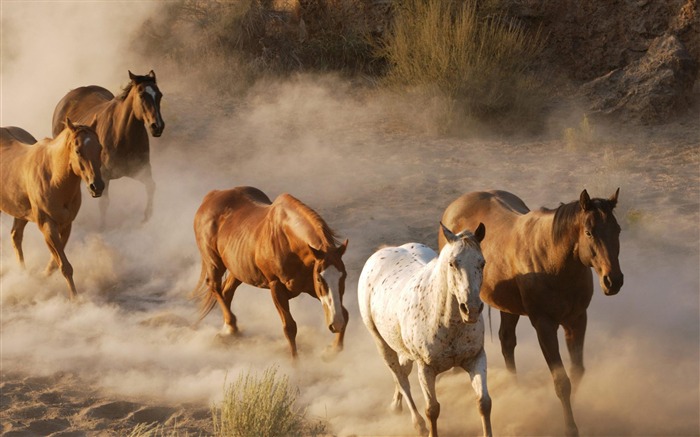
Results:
538 264
283 245
121 127
41 184
424 308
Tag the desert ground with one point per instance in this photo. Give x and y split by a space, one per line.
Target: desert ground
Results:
375 168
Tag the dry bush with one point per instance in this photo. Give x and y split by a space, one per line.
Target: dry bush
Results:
262 406
480 63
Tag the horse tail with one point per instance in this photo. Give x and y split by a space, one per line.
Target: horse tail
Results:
203 294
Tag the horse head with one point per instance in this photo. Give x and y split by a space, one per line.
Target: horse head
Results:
147 101
329 283
599 240
465 266
85 155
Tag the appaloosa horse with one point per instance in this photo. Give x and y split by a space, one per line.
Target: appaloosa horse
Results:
424 308
282 245
41 183
538 264
121 127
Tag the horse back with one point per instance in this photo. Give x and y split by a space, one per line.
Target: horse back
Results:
80 104
226 227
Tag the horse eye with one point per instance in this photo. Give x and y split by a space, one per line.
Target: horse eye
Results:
588 233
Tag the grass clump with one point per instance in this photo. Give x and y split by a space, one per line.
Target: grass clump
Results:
263 406
481 63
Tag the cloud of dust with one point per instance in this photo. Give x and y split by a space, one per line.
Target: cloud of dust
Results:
367 166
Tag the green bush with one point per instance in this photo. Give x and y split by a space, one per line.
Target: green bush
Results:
262 406
481 63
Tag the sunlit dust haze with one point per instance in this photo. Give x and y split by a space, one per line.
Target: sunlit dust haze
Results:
370 164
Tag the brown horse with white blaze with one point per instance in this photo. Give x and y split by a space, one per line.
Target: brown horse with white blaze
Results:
538 264
41 184
122 124
283 245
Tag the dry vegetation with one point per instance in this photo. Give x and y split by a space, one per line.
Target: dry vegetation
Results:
475 61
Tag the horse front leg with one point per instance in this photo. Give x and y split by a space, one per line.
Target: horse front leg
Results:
506 333
426 378
64 233
17 235
477 372
280 296
575 332
547 336
340 335
52 236
146 177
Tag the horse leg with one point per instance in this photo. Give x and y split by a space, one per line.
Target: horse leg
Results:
104 204
17 234
426 378
229 289
146 177
547 336
575 332
53 239
64 233
281 299
403 386
506 333
477 372
215 272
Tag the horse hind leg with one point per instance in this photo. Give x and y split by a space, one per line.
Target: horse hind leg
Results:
574 333
506 333
17 235
229 289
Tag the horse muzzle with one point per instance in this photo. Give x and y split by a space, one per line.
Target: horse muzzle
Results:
470 317
157 129
96 188
611 284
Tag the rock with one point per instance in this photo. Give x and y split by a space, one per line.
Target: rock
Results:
648 91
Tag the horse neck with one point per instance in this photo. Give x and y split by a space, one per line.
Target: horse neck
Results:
303 228
124 118
553 255
58 151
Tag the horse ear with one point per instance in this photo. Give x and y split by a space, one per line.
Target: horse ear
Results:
449 235
480 232
613 198
132 76
318 253
585 200
93 124
343 247
69 124
152 74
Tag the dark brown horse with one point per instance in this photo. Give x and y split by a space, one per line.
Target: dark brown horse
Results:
41 184
282 245
538 264
121 126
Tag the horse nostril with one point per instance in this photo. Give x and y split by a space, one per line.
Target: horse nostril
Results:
331 328
463 308
607 281
93 187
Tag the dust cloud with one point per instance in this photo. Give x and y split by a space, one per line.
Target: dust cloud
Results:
370 166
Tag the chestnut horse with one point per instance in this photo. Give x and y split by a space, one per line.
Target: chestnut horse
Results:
283 245
41 183
538 264
121 127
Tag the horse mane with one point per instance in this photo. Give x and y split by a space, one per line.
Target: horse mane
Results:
566 215
328 235
127 89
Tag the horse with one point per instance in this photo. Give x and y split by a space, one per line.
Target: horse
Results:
539 265
424 308
41 184
284 246
121 127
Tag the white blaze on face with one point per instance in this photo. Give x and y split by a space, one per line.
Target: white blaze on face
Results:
151 92
331 300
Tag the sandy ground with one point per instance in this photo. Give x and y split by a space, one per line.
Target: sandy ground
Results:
129 351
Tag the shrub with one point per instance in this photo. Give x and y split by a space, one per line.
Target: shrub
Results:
262 406
480 63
